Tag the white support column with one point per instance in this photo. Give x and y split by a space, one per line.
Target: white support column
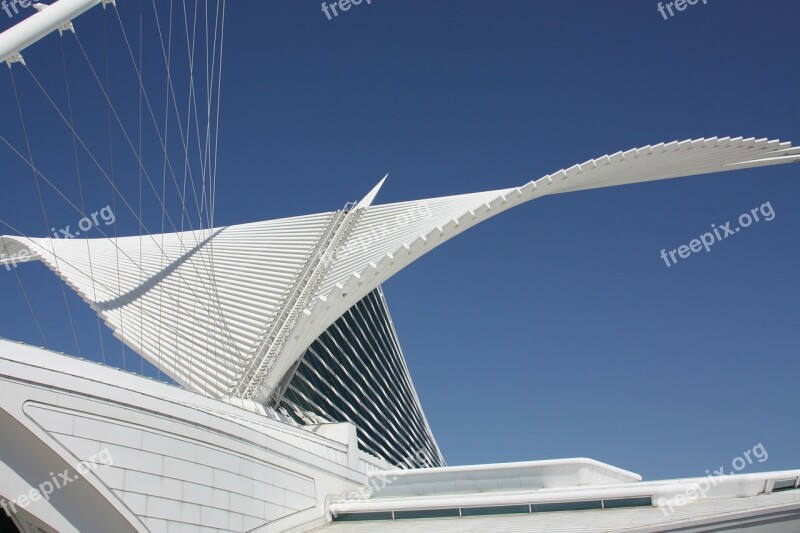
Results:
49 19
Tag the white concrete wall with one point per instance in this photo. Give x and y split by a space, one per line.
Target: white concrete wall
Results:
160 458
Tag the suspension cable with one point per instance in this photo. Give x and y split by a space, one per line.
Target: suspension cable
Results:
68 92
225 332
208 150
121 196
41 204
27 299
113 179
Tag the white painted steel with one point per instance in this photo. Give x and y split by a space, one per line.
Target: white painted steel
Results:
389 237
205 327
39 25
195 304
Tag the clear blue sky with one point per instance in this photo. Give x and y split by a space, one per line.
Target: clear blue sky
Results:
554 330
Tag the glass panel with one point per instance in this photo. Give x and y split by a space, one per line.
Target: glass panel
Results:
426 513
499 509
784 484
628 502
566 506
362 516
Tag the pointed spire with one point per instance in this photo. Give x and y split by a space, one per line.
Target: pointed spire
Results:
368 199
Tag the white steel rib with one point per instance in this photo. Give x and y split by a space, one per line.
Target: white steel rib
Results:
56 16
194 320
239 328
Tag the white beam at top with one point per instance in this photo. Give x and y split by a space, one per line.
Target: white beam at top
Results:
17 38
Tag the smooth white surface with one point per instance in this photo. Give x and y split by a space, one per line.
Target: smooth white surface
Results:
692 504
20 36
180 460
531 475
776 513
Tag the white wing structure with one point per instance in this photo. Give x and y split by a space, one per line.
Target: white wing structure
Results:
290 314
192 303
296 403
230 311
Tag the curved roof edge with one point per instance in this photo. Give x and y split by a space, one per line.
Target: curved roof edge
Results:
438 220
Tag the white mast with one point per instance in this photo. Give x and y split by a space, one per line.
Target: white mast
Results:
50 18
